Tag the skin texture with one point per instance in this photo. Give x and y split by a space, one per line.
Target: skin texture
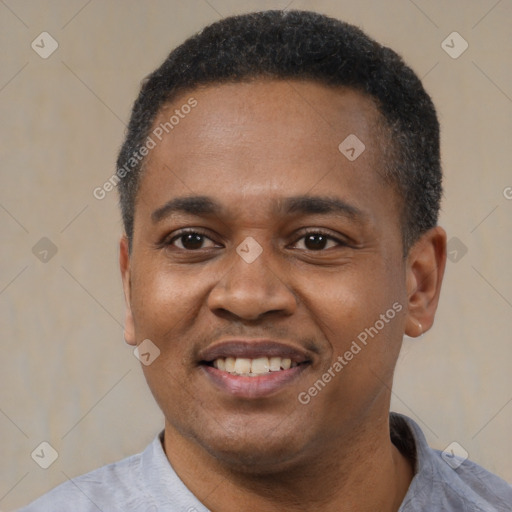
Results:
248 147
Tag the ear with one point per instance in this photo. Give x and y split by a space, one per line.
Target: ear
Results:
425 269
124 263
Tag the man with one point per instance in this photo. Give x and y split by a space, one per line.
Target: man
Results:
280 185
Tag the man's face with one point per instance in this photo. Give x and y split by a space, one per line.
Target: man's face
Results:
297 253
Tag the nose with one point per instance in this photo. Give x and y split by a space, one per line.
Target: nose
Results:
252 290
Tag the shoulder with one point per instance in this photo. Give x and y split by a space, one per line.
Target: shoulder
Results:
473 486
115 487
144 483
446 482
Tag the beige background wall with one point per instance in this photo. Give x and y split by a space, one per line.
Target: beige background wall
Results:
66 375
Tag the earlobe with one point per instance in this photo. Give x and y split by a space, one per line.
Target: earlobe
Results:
124 264
425 269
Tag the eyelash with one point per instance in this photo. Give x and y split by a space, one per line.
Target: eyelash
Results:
190 231
312 231
199 232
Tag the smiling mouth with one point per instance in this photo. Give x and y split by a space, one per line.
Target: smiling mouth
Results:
253 368
256 367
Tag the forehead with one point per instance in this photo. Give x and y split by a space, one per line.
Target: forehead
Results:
261 109
266 139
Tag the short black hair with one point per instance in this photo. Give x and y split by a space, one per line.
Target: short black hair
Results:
301 45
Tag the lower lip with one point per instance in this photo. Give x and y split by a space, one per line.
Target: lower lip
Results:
253 387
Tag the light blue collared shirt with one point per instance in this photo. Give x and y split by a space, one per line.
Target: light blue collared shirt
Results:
147 483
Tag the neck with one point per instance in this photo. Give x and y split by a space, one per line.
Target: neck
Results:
363 472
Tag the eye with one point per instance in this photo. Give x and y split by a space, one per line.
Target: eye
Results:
190 241
318 241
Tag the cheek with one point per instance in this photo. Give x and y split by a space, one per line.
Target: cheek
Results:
165 306
164 300
351 299
360 311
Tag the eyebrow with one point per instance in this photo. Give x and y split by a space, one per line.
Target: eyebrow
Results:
306 205
193 205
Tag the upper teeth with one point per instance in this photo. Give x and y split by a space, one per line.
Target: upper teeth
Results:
252 367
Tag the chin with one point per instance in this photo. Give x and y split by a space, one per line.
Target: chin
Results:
252 460
253 450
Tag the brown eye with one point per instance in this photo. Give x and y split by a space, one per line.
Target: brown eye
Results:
318 242
315 242
191 241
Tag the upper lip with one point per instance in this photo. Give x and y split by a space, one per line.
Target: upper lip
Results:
252 349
